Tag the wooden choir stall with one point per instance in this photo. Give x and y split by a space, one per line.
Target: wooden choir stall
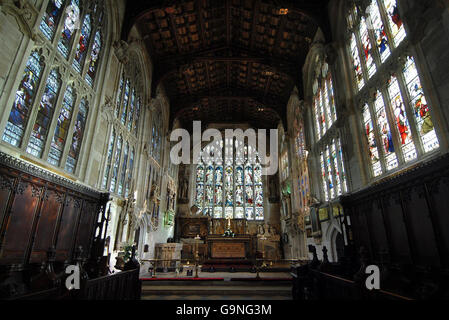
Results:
48 222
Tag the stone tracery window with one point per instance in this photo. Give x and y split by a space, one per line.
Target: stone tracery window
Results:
333 177
156 137
397 122
119 162
231 189
55 103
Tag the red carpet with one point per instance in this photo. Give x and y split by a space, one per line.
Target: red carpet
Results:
181 279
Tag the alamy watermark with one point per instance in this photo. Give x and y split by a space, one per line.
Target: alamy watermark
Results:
233 144
373 280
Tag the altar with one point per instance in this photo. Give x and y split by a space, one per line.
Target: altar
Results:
238 247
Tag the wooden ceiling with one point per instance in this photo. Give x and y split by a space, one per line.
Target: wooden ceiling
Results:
227 60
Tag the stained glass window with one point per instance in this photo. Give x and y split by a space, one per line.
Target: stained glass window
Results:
385 132
51 18
62 127
77 139
155 150
379 30
419 107
324 177
233 189
398 127
119 96
109 160
115 168
124 166
83 44
94 57
400 117
395 21
367 48
371 142
332 170
131 110
324 102
45 115
357 66
125 102
130 172
71 22
136 118
23 102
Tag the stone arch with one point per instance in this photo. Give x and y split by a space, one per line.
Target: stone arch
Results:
332 232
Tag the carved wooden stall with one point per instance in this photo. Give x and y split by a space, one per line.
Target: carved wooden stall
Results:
46 223
402 224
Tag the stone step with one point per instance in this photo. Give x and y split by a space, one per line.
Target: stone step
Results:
260 291
218 283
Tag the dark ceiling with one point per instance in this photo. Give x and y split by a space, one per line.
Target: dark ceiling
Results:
227 60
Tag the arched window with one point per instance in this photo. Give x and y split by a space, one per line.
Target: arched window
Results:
23 102
397 122
333 178
125 117
53 102
233 189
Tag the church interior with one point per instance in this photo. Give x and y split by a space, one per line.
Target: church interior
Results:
347 99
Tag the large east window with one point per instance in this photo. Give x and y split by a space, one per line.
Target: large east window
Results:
232 189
